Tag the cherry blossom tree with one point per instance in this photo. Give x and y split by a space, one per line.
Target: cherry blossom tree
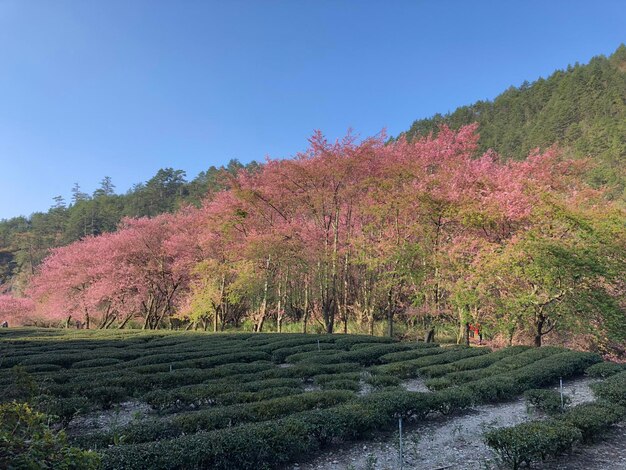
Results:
16 310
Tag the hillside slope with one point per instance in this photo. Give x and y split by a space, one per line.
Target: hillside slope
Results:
582 108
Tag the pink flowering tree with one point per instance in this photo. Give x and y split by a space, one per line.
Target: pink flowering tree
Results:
16 310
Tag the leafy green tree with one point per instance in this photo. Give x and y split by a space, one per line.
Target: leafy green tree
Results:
557 274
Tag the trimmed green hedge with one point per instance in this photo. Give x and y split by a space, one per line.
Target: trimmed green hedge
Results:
603 370
414 367
594 419
213 392
248 446
531 442
547 401
525 356
218 418
535 441
612 389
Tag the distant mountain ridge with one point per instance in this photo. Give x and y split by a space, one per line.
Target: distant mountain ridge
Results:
581 108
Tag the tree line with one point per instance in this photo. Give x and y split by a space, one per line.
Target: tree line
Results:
421 234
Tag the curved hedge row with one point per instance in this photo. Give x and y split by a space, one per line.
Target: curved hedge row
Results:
251 446
536 441
218 418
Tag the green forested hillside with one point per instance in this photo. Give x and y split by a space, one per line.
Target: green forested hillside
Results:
583 109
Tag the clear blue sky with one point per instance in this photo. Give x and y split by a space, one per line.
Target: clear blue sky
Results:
123 88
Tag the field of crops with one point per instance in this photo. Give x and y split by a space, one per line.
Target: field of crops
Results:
249 401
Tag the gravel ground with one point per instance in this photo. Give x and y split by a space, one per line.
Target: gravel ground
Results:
118 416
455 442
415 385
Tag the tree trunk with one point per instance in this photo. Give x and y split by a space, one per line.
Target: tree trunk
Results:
222 302
390 313
258 327
305 316
330 324
538 332
429 336
330 304
123 324
346 287
279 306
462 336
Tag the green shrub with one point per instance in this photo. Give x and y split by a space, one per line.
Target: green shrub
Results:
602 370
485 360
513 360
310 356
62 408
213 392
411 354
251 397
532 442
26 442
438 383
451 400
280 355
493 389
593 419
185 396
348 342
470 363
306 371
221 417
612 389
438 370
324 378
367 354
97 362
549 369
106 396
413 368
389 406
42 368
382 381
20 386
527 356
342 385
548 401
295 341
252 446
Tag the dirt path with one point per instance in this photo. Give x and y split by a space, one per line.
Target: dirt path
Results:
105 420
455 443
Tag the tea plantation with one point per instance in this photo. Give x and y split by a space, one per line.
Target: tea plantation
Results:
250 401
